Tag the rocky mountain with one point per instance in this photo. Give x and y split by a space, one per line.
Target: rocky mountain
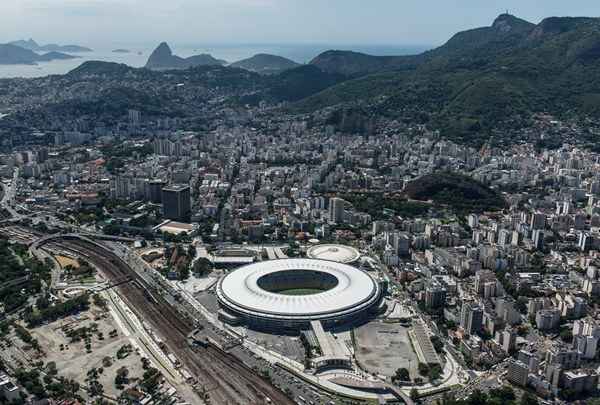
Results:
34 46
480 80
265 64
29 44
162 58
15 55
482 83
506 31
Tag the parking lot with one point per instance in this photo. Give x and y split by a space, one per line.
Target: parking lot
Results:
385 347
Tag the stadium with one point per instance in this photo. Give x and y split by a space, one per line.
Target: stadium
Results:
288 294
334 252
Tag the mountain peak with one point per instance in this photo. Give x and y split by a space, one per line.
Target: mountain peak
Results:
163 49
162 58
508 22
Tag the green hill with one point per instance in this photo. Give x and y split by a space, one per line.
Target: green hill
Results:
455 190
265 64
353 64
480 79
301 82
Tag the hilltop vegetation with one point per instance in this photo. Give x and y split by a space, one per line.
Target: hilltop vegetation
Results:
482 83
480 80
265 64
381 206
455 190
301 82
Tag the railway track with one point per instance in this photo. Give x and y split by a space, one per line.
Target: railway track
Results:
224 377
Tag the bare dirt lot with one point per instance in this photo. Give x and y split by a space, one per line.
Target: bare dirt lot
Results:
73 360
65 261
384 347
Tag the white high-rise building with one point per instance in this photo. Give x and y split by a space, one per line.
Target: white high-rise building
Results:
586 334
336 210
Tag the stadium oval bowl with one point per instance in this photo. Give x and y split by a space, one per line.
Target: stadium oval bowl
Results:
290 293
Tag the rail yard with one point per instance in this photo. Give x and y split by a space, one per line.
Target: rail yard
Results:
220 378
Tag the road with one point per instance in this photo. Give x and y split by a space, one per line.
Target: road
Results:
280 378
221 376
429 324
9 193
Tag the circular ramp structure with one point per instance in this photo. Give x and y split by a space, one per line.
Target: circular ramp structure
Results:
334 252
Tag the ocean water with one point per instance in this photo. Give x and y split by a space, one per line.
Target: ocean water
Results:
301 53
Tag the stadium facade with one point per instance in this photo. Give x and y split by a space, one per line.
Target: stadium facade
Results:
288 294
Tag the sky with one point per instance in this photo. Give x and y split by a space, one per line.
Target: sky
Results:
398 22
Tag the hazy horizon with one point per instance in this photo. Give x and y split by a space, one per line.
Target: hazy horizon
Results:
301 53
188 23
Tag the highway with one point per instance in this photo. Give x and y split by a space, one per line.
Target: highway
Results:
9 193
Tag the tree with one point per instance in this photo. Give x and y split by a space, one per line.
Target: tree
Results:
150 380
566 335
435 372
191 251
42 302
145 363
107 361
529 399
202 266
95 388
414 394
568 394
478 398
401 374
51 368
121 378
504 394
184 273
99 301
423 368
438 344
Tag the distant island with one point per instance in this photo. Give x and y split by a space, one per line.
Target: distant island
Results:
34 46
162 58
265 64
121 51
16 55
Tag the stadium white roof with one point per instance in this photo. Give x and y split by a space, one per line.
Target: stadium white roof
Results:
355 290
333 252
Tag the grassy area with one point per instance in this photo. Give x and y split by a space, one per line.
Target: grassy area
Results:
300 291
455 190
65 261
